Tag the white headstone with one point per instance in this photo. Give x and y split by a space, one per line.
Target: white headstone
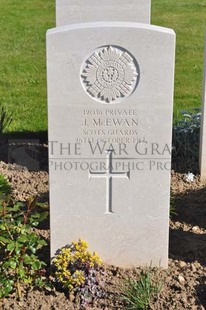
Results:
203 129
78 11
110 101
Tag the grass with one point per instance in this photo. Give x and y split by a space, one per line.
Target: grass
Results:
138 293
23 26
187 18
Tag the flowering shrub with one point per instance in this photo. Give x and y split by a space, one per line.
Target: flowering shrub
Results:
75 269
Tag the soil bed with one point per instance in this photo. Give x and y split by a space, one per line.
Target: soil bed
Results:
183 283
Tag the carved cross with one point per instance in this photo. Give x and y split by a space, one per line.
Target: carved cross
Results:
109 174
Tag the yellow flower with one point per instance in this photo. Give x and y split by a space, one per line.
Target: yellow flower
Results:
71 261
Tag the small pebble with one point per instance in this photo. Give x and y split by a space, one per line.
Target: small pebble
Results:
71 297
193 268
195 229
197 265
181 279
182 264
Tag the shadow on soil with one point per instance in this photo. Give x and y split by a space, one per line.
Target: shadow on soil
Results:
28 149
201 291
191 212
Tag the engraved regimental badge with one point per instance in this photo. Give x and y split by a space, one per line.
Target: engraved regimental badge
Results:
110 74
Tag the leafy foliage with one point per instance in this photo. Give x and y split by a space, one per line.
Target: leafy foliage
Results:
186 135
19 245
138 293
5 187
5 119
75 270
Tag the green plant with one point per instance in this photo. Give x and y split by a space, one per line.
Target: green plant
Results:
138 293
186 135
5 187
5 119
75 270
19 244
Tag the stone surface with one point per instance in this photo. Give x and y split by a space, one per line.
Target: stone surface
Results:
203 129
77 11
110 103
